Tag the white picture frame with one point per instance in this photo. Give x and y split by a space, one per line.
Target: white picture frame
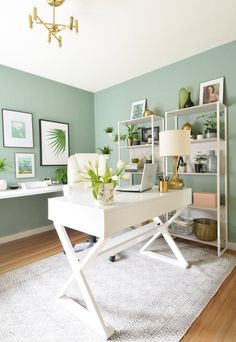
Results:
17 129
25 165
212 91
53 150
138 109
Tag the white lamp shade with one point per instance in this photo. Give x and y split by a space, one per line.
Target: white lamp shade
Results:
174 143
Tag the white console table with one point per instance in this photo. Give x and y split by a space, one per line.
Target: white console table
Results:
29 192
82 214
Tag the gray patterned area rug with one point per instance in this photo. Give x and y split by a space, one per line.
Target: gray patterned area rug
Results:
142 298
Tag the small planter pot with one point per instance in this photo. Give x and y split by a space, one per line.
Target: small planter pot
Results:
130 142
105 194
182 169
199 168
136 142
210 133
3 185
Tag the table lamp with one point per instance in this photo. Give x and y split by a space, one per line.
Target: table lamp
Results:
175 143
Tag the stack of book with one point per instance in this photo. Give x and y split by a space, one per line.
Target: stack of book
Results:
132 167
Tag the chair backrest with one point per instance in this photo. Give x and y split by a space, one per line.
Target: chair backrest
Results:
79 160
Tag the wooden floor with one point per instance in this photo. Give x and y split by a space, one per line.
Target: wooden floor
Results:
217 323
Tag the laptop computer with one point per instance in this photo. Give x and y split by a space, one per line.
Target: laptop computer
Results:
147 182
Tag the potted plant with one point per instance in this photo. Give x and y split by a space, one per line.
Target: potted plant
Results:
61 175
106 151
210 124
133 134
108 131
200 159
3 165
102 185
122 137
182 167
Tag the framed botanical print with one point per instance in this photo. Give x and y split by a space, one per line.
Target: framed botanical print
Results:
54 142
25 165
17 129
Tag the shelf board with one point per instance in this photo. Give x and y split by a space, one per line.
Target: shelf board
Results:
201 208
136 146
195 173
192 237
202 109
29 192
142 120
205 140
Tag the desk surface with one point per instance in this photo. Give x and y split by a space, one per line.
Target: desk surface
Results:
81 212
29 192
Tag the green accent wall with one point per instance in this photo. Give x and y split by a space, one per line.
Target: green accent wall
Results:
48 100
161 88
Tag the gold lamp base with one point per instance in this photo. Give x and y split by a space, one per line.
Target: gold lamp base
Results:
175 182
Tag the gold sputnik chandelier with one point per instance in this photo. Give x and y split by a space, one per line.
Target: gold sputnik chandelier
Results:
53 28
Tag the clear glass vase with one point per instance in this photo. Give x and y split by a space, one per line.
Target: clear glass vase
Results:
212 162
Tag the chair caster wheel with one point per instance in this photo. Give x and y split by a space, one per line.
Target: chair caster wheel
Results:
112 258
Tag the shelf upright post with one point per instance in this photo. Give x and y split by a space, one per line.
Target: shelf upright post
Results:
226 173
218 188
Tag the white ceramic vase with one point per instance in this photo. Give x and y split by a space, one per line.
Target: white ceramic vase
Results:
3 185
105 194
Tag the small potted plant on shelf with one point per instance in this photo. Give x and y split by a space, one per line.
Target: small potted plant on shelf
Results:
210 125
61 175
200 158
133 134
108 131
3 165
182 167
106 151
122 137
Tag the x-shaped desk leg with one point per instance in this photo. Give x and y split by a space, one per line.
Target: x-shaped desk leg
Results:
91 316
163 230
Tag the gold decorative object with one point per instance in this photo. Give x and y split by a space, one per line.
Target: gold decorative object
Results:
53 28
148 112
205 229
188 126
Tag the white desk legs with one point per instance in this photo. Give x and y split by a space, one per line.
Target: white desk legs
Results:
91 316
163 230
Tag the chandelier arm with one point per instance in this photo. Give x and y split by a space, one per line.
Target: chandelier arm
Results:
48 28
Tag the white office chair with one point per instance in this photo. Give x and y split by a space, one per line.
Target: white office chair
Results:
77 162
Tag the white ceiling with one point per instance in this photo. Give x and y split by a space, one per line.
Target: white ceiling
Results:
118 39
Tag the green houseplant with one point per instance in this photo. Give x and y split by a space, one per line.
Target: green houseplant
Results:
108 131
200 159
3 165
61 175
210 124
105 150
133 134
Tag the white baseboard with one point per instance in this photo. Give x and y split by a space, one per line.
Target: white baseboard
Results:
26 233
232 246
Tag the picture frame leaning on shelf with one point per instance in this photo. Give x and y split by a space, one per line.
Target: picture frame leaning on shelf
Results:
138 109
146 132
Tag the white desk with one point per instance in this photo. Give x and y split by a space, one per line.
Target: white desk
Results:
81 213
29 192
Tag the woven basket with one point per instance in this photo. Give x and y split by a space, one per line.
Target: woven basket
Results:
205 229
